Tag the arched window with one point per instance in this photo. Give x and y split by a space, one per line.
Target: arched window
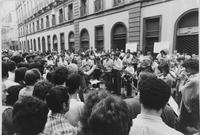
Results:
119 36
187 33
55 43
43 45
71 41
84 38
34 42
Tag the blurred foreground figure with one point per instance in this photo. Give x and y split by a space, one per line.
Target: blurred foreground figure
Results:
154 95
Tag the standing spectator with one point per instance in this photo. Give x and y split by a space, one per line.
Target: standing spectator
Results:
154 95
11 98
60 75
31 77
11 72
189 87
75 106
117 67
6 83
19 75
168 116
29 116
41 88
58 102
92 99
110 117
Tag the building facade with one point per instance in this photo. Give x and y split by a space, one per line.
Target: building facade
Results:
107 24
9 31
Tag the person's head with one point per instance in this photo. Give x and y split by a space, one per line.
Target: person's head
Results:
4 70
41 88
163 53
17 59
31 77
23 64
37 65
60 75
164 68
58 99
20 73
29 116
73 82
110 117
191 66
11 66
72 68
12 94
92 99
145 75
154 94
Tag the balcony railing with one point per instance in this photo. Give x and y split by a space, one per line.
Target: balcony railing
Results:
83 10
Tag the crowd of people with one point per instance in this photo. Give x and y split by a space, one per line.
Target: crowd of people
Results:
100 93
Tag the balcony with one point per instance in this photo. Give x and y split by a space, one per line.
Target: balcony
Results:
83 10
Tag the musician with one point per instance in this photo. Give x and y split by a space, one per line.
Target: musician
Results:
128 57
108 63
128 76
116 75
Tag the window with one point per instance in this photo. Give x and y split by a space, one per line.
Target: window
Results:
33 27
62 41
30 28
53 20
99 38
49 43
118 2
42 24
38 26
61 17
98 5
71 41
70 12
47 21
151 32
83 8
39 47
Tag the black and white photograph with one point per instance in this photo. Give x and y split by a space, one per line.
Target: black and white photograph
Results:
99 67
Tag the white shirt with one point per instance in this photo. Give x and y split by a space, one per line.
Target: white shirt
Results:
130 70
75 111
151 125
108 64
11 76
117 64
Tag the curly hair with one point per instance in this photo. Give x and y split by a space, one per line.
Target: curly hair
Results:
41 88
29 116
60 75
191 64
110 117
92 99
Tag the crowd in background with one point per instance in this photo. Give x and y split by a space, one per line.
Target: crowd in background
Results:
99 93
